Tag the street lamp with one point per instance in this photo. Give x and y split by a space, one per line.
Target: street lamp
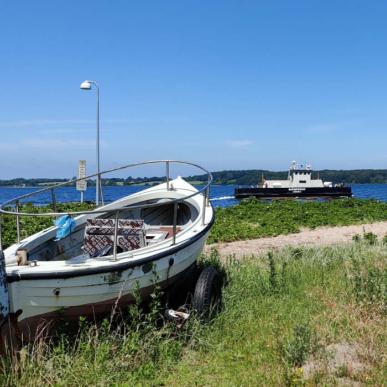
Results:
86 85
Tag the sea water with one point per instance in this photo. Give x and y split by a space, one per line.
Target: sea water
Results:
221 195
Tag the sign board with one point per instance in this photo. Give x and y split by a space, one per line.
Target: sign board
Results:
82 184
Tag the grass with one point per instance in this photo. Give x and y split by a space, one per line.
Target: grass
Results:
283 309
255 219
282 313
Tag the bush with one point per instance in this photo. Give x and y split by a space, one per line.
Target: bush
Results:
300 346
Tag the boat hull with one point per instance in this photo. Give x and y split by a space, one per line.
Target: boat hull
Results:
271 193
47 301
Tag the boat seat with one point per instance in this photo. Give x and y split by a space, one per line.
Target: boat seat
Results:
99 236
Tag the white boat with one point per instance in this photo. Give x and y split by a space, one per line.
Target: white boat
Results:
49 279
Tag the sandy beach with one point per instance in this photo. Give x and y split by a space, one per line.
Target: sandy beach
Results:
321 236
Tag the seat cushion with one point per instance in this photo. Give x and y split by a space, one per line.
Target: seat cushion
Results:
133 223
99 236
97 245
99 222
131 239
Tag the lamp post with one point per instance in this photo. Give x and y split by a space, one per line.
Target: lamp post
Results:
86 85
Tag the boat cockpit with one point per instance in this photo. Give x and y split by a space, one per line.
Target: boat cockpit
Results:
99 236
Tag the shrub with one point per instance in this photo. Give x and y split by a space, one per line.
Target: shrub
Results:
300 346
368 281
370 238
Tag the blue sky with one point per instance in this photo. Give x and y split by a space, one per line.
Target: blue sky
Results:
228 84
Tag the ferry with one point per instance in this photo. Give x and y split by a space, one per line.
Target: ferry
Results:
299 184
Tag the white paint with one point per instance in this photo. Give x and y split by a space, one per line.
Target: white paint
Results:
35 297
81 185
299 178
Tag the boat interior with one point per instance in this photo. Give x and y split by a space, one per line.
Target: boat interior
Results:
94 236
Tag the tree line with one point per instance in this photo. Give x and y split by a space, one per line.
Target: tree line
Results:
254 176
238 177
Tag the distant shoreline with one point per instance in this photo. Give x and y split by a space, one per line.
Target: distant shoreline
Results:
226 177
149 185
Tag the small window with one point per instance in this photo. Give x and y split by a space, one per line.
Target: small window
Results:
303 181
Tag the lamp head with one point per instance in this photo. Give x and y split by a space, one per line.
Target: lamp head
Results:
85 85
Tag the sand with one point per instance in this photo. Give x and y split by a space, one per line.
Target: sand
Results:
321 236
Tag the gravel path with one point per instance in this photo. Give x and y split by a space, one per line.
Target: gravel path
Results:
320 236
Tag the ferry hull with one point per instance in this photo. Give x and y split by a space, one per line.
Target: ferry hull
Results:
272 193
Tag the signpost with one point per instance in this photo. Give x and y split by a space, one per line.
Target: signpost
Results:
82 184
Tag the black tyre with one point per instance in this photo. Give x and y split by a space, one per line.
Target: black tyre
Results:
180 293
208 292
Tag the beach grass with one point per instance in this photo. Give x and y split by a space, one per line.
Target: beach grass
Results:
294 317
255 219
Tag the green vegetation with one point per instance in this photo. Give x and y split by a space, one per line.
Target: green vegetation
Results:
286 320
254 219
31 224
21 182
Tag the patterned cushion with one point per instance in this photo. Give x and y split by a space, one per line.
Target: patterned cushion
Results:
131 241
133 223
95 230
99 236
97 245
99 222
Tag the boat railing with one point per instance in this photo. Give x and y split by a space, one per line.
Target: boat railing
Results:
12 206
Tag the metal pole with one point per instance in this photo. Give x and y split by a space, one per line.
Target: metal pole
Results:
101 193
115 237
17 222
208 191
81 196
98 182
174 221
204 207
53 199
206 201
167 173
1 235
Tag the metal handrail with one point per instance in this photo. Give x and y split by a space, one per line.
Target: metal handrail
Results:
17 200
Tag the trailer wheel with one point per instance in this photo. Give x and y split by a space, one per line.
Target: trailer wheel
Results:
208 292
